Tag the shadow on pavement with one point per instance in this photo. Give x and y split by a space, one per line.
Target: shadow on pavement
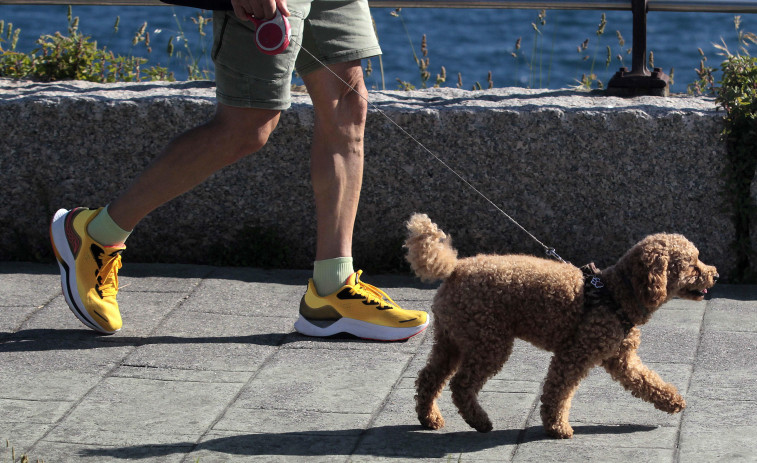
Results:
401 441
52 339
37 340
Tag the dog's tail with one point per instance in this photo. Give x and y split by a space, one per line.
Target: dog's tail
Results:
429 250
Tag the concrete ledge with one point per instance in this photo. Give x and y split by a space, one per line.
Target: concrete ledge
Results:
588 175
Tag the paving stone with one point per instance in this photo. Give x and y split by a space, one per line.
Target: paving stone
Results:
245 420
27 285
200 341
42 384
670 345
734 314
734 384
166 412
733 444
182 375
569 452
239 297
324 380
33 411
19 435
724 351
161 278
13 317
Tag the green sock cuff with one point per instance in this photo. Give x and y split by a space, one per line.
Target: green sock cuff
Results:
105 231
330 274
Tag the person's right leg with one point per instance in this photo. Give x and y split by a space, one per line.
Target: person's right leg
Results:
190 158
89 267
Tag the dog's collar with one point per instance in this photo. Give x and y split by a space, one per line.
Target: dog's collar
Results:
596 293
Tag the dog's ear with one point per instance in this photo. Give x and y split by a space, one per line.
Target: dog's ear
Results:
650 277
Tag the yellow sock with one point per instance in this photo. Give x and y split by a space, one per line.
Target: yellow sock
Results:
105 231
330 274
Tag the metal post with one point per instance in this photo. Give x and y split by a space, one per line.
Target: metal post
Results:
639 81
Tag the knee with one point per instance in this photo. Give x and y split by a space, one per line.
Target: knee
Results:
245 143
346 113
353 108
242 136
343 124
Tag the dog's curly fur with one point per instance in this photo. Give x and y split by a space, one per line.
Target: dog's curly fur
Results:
487 301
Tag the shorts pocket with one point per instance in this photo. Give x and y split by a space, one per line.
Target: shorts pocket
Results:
234 47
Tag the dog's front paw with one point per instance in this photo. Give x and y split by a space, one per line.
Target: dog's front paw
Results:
559 430
674 405
482 425
432 420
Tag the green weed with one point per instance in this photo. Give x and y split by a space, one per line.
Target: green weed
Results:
10 451
74 56
737 95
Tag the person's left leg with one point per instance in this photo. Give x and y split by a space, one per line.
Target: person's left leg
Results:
337 154
336 169
351 306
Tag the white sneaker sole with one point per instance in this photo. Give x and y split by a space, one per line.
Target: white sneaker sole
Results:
357 328
67 265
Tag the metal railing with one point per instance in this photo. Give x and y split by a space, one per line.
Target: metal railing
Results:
639 80
703 6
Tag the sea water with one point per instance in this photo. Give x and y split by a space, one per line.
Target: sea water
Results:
469 43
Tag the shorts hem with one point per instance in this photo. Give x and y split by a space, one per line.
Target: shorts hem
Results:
342 57
248 103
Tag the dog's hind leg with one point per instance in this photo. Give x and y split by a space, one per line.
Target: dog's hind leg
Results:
441 364
627 369
481 361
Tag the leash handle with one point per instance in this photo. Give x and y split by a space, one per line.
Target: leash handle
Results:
272 36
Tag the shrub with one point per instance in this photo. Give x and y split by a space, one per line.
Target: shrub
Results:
738 96
72 56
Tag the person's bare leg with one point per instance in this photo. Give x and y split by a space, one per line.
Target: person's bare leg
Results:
337 155
337 176
191 157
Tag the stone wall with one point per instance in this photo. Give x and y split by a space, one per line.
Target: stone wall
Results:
586 174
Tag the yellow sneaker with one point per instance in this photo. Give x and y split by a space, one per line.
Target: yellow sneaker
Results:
358 309
88 270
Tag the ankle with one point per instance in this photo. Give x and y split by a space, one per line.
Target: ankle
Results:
330 274
105 231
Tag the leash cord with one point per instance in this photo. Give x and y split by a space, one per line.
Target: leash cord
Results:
550 251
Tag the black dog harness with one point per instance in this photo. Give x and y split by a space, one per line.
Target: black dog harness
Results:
596 294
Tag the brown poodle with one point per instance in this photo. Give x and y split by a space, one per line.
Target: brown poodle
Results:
585 318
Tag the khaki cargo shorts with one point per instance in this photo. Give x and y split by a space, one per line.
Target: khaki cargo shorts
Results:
335 31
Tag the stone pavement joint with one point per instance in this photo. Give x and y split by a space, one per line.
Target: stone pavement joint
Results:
209 368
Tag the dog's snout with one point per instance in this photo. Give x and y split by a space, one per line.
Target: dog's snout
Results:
715 277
